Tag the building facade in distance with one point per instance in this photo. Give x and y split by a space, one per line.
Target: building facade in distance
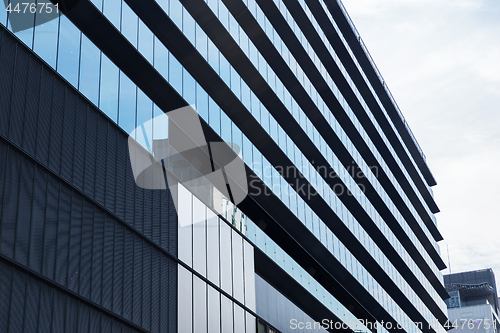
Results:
295 198
473 302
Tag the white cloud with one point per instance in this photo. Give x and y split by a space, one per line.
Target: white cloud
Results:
440 59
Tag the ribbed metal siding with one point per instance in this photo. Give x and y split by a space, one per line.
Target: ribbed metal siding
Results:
67 194
39 307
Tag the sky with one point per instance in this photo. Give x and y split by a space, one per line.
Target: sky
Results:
441 61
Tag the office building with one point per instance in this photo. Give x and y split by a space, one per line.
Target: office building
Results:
318 209
473 302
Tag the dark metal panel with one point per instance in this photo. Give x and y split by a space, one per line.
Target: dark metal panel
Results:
37 227
111 167
56 126
62 236
79 143
86 249
18 97
101 159
23 222
31 107
75 242
44 117
31 320
68 134
7 59
90 152
118 269
17 308
10 204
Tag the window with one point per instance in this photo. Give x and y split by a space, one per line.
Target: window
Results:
68 58
108 101
46 41
90 62
264 328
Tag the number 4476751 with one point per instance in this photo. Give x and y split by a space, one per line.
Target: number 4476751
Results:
32 8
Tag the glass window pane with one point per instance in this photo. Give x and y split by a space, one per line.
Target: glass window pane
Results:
22 23
108 101
97 3
112 10
145 42
225 70
68 57
213 56
188 26
273 126
160 125
129 24
90 63
245 95
237 138
164 5
175 73
214 115
235 82
144 115
126 115
176 13
247 150
3 17
202 102
161 58
46 41
188 87
225 127
262 328
201 42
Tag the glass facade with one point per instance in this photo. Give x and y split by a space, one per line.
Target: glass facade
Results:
216 269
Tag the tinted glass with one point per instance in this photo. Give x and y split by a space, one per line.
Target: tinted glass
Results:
68 57
127 104
90 62
45 44
108 100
